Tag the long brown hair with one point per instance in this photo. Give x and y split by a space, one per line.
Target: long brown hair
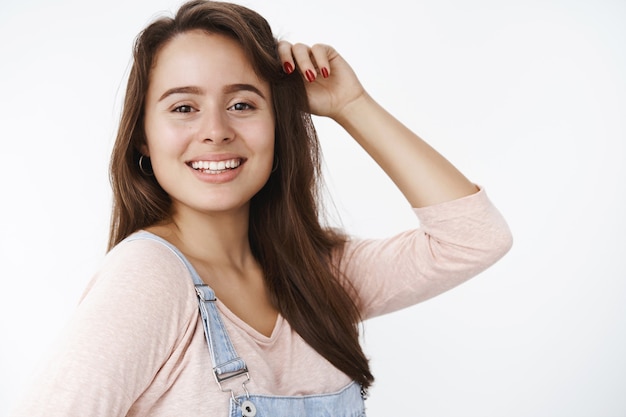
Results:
285 233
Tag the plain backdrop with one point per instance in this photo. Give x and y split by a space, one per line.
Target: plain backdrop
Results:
527 98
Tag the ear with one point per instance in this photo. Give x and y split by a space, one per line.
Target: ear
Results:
143 148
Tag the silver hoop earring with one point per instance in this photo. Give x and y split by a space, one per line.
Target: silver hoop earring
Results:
275 164
145 171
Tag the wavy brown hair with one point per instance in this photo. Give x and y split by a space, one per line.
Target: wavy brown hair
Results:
285 233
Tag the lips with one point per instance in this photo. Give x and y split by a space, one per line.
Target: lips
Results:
216 167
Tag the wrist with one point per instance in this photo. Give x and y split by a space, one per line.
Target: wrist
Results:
354 110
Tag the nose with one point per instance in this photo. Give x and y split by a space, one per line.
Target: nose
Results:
215 127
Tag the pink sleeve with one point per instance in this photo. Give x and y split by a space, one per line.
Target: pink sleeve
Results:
456 241
127 324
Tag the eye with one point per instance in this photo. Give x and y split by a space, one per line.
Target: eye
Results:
183 109
241 107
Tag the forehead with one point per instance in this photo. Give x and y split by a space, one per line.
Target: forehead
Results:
200 58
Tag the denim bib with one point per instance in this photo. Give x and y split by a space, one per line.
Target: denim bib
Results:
228 366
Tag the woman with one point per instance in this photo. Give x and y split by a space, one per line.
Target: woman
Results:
214 174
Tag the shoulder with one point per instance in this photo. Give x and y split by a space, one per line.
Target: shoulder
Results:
139 308
143 271
145 258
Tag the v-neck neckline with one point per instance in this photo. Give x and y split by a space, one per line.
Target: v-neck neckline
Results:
232 317
251 331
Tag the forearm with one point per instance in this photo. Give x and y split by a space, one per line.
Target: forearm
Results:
423 175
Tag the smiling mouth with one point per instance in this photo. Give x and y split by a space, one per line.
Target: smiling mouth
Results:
215 167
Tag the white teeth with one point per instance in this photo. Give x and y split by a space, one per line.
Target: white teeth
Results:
213 166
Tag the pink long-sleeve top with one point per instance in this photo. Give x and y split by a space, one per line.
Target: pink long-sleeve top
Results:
136 347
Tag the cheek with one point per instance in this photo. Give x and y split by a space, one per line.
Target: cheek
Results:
259 139
163 139
266 146
263 137
161 134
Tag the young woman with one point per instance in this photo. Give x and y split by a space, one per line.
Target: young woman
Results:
222 294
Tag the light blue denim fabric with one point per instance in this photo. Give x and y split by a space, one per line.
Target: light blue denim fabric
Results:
348 402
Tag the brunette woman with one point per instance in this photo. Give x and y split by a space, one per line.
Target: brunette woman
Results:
222 294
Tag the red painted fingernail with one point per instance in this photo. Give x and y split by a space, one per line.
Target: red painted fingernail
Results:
324 72
310 75
288 67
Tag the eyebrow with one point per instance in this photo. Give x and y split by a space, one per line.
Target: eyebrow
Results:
233 88
182 90
229 89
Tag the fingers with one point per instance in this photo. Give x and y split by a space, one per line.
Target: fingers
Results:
311 61
284 52
303 61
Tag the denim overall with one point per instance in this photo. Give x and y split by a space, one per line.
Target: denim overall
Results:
227 365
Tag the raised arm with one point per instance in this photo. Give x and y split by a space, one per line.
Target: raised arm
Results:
423 175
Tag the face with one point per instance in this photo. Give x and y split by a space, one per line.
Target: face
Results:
209 124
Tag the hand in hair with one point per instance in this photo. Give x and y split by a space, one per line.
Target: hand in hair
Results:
331 82
423 175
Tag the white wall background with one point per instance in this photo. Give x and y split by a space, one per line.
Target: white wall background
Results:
527 98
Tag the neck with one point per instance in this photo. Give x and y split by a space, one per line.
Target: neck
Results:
219 239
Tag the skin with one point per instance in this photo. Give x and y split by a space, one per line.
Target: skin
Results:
210 221
197 110
423 175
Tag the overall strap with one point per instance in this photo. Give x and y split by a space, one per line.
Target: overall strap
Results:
226 363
